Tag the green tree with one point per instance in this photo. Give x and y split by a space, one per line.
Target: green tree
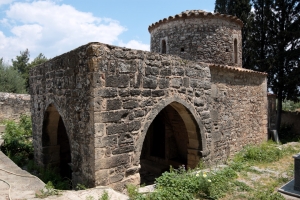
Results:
284 72
22 65
10 80
21 62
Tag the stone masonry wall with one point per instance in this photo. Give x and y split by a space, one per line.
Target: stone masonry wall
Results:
65 81
13 105
238 110
108 96
201 38
132 88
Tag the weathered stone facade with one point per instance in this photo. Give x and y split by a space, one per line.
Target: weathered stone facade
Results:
200 36
13 105
105 114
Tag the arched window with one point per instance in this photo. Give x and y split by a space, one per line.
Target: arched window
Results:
235 51
163 46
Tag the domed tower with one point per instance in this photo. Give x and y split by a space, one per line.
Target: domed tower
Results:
200 36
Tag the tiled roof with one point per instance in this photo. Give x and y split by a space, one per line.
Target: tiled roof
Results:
237 69
196 13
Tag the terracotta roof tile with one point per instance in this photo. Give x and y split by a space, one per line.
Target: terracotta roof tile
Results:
226 67
196 13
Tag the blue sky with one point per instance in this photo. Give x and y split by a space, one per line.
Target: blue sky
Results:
53 27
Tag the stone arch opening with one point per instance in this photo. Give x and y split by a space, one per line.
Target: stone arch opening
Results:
55 143
172 139
163 46
235 51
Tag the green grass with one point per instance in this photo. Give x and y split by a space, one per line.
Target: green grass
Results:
231 182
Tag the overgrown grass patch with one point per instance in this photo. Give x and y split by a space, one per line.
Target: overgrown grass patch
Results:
239 180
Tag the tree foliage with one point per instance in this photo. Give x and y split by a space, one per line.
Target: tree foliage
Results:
22 64
10 79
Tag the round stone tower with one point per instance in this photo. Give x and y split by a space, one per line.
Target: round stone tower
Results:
200 36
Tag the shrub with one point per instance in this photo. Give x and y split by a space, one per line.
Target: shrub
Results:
18 140
265 152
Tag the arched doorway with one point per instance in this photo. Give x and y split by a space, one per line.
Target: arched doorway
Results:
55 142
170 138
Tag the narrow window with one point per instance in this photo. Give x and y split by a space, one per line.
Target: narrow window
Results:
163 46
235 51
182 49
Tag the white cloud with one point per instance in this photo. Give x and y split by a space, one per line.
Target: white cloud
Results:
133 44
3 2
51 28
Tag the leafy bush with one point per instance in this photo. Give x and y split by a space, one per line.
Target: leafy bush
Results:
18 140
19 148
265 152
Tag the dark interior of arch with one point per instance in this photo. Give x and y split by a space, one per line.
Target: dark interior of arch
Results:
56 145
165 144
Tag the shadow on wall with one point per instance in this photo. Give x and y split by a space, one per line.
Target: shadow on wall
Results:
55 142
167 142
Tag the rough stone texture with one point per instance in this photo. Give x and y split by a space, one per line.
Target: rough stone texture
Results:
13 105
200 36
112 101
239 110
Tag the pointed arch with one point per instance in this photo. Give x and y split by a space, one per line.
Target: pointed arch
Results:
56 146
185 130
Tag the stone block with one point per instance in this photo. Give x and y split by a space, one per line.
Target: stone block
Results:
102 177
163 83
177 71
134 126
123 149
106 92
116 178
130 104
126 68
112 116
99 129
150 82
113 104
146 93
117 128
132 170
113 161
158 93
166 72
111 140
151 71
186 82
176 82
121 81
125 138
135 92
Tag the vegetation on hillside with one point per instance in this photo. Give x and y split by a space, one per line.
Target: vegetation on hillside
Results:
234 181
15 78
19 148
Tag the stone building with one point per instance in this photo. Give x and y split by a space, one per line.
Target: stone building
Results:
107 115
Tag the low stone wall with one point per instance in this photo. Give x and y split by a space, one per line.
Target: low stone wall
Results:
13 105
291 118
